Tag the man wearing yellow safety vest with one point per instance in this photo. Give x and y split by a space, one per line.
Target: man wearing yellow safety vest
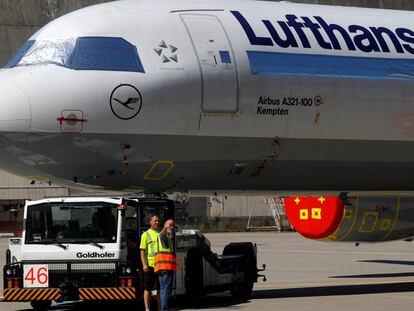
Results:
148 249
165 262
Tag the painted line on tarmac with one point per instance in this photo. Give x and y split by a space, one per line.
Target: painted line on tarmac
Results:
331 252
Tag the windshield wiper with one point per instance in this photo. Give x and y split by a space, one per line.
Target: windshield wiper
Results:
100 246
60 245
65 247
56 244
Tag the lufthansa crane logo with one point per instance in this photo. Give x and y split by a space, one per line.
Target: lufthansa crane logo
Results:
126 101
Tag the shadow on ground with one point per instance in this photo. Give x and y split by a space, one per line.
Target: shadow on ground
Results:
335 290
374 275
226 301
207 302
390 262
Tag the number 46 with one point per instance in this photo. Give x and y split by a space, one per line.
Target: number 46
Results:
40 277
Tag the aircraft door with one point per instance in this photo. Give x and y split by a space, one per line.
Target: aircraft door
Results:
216 61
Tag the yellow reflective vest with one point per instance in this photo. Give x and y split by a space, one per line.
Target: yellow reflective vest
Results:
149 245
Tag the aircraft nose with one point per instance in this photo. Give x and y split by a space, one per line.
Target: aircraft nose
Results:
14 109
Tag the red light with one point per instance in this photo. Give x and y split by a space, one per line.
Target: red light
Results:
315 217
122 282
16 283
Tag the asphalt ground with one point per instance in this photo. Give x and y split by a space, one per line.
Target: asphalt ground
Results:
304 275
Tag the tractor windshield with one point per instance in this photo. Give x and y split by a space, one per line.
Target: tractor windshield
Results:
87 222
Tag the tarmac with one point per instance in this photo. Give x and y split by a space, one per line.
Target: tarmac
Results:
304 275
6 235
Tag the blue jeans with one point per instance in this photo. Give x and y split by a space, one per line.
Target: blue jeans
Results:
165 278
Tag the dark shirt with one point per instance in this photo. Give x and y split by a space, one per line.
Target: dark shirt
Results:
164 241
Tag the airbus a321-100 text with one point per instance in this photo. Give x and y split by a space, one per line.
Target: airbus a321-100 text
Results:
221 96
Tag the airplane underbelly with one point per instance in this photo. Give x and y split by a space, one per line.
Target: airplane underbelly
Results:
213 163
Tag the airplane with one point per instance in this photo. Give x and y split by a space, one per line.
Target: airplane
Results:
214 96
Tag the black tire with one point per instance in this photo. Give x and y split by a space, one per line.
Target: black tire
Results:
244 289
40 305
194 280
243 248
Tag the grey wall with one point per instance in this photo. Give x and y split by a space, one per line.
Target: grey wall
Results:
19 19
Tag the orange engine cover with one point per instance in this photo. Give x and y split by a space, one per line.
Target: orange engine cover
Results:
315 217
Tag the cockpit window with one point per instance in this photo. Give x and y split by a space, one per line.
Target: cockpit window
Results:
84 53
46 52
20 53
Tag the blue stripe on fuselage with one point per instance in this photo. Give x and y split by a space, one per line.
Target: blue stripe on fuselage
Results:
275 63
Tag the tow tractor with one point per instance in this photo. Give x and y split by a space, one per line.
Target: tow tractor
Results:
87 249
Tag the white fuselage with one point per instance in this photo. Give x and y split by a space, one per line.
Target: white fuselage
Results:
206 95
